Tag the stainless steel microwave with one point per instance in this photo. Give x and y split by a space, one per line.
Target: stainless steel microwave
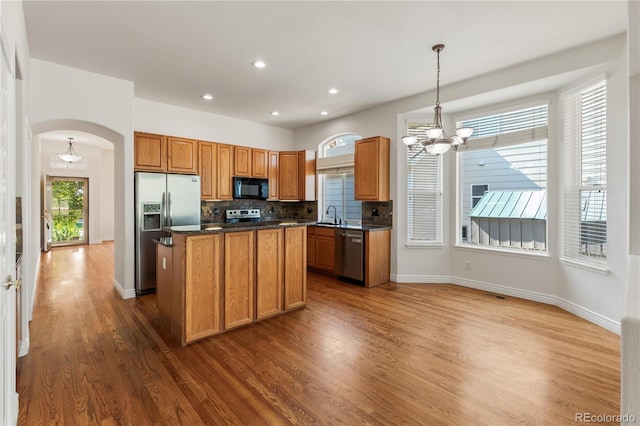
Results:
250 188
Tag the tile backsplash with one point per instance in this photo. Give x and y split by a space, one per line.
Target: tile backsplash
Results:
373 213
214 211
377 213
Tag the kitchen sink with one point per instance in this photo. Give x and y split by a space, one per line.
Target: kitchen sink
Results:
327 224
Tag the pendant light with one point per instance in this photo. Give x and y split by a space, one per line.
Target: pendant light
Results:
438 142
70 156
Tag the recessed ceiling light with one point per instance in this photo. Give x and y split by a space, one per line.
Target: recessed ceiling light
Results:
323 113
258 64
207 97
274 113
333 91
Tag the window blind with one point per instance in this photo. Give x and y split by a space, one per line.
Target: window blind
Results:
503 178
585 177
424 198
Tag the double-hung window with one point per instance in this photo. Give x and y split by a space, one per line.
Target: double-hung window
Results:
502 180
585 177
424 193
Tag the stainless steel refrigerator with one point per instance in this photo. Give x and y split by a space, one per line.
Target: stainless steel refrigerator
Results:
161 200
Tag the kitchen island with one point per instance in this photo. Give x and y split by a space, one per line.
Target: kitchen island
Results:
214 278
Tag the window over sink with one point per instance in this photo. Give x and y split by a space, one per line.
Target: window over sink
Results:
336 180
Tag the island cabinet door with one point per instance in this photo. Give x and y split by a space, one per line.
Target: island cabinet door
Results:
239 283
295 267
269 277
203 286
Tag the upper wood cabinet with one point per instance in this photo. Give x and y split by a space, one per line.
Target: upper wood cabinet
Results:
371 162
150 152
182 155
208 170
241 161
250 162
158 153
259 163
273 175
297 172
225 172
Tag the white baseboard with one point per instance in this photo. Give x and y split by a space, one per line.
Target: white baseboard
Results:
594 317
125 294
590 316
507 291
424 279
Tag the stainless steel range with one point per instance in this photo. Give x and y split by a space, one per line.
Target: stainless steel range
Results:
245 215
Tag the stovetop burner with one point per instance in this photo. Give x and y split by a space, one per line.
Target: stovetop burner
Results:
246 215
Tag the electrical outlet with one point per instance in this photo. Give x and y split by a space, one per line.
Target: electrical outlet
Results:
467 265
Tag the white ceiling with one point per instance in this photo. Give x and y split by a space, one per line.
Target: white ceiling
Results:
372 51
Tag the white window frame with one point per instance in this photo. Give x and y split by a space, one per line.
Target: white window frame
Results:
573 184
495 141
438 194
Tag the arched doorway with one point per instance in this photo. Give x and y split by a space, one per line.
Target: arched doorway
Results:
123 195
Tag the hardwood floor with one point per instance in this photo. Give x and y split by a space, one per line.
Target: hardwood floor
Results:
414 354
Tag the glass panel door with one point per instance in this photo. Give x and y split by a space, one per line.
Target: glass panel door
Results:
69 210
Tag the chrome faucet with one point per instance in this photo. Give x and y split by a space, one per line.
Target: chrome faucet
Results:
335 214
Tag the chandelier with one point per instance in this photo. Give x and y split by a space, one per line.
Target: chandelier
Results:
438 142
70 156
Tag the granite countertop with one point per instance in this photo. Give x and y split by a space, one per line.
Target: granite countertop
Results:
266 224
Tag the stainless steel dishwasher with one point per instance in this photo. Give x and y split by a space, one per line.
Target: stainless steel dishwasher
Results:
349 261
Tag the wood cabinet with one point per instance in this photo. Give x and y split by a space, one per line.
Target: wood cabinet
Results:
203 284
164 291
158 153
297 173
241 161
269 280
371 161
250 162
295 270
259 163
311 246
208 170
225 172
182 155
239 283
272 174
150 152
377 257
325 249
189 298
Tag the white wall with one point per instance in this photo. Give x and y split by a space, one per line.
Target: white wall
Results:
64 98
594 296
154 117
107 195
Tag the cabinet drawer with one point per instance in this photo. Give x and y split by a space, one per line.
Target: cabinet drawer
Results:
325 231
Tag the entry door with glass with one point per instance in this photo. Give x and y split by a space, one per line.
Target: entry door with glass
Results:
69 206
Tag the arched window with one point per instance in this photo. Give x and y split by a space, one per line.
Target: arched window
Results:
336 180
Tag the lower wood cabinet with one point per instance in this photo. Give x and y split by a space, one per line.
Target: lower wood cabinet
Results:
189 287
295 269
212 282
270 272
377 257
325 249
238 279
